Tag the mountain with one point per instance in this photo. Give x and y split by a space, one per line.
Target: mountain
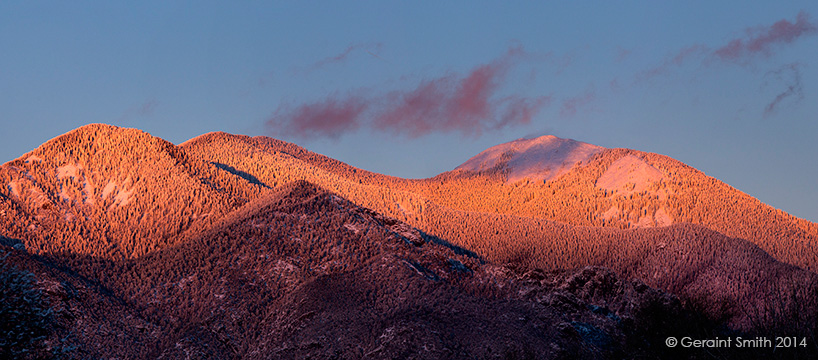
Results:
49 311
571 220
618 188
231 246
301 272
542 158
104 191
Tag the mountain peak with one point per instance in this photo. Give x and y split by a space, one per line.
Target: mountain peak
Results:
91 132
542 158
215 136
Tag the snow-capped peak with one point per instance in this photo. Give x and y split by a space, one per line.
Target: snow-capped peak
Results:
542 158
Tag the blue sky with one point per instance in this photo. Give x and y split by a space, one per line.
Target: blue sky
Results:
413 89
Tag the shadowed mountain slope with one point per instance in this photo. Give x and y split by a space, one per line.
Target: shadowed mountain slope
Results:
513 223
50 312
233 246
301 273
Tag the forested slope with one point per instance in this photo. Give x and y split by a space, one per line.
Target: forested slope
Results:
224 236
105 191
302 272
678 194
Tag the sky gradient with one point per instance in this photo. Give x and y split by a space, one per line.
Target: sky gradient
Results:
413 90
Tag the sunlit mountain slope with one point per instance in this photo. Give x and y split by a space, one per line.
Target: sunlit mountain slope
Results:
105 191
616 188
212 238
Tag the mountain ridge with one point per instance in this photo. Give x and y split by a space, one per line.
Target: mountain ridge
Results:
572 198
254 288
113 177
221 202
542 158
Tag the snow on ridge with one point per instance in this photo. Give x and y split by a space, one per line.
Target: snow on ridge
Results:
542 158
68 170
33 159
628 175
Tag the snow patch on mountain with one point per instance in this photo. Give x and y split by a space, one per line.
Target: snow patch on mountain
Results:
14 188
662 218
123 197
108 189
33 159
612 213
542 158
68 170
120 194
82 178
628 175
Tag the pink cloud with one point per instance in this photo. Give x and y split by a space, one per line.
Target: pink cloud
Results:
687 53
520 111
420 111
468 104
464 104
761 40
571 105
674 61
471 100
328 118
791 76
565 62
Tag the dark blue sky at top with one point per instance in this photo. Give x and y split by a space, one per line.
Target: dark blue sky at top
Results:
413 89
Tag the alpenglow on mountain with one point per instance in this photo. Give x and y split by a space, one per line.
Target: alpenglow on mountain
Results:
116 243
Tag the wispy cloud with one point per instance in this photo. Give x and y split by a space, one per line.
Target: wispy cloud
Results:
756 43
622 54
614 85
370 48
328 118
468 104
571 105
143 110
762 40
674 61
463 104
520 110
146 109
790 75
